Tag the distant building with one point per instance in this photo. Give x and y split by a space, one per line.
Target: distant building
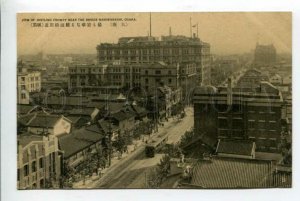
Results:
39 161
170 49
264 55
27 82
240 113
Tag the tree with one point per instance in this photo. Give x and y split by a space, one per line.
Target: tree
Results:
120 143
186 138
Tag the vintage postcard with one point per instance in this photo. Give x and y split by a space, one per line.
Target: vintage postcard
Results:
191 100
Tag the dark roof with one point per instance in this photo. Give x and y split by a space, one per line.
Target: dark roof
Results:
94 128
96 104
68 100
235 147
44 120
81 111
25 119
77 141
122 115
108 97
106 126
26 138
140 111
204 139
232 173
25 109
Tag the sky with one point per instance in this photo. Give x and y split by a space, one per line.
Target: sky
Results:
227 32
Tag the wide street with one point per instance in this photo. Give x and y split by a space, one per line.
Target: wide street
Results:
135 173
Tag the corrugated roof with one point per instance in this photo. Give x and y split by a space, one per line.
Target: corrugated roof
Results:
232 173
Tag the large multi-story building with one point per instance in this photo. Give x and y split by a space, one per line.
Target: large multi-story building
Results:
264 54
240 113
84 75
27 82
128 76
38 161
170 49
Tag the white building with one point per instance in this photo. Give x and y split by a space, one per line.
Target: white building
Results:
27 82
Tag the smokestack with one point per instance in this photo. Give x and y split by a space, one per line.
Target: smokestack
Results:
170 31
229 91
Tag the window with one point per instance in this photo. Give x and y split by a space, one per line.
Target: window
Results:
170 72
26 170
146 80
158 72
261 124
146 72
18 174
223 123
23 79
33 166
170 81
23 96
251 124
41 161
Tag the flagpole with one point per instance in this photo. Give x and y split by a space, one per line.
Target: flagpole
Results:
197 29
191 27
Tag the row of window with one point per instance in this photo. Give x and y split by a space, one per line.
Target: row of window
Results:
149 51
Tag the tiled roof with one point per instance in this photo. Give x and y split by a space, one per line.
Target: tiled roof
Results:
25 109
25 119
122 115
235 147
77 141
232 173
81 111
96 104
43 120
94 128
139 110
106 126
68 100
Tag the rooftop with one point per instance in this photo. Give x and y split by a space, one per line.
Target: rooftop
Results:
26 138
235 147
232 173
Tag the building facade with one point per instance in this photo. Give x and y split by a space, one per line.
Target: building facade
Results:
38 161
27 82
264 54
239 113
169 49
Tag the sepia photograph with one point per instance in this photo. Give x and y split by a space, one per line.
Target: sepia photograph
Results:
154 100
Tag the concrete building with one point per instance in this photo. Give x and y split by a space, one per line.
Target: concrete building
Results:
264 55
27 82
82 75
38 161
169 49
240 113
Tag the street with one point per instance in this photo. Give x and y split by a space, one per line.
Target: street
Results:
134 174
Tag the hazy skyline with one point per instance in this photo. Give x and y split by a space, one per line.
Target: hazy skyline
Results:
227 33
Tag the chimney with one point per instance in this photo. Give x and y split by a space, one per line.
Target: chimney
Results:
229 91
170 31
